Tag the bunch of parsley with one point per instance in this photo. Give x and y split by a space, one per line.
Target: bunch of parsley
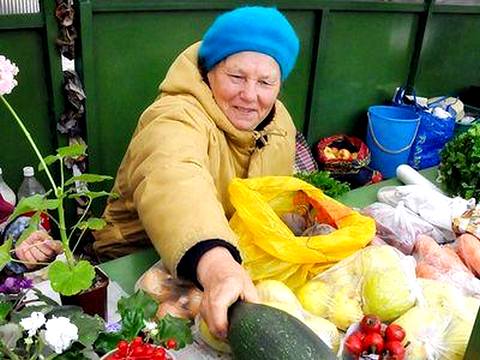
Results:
322 180
460 164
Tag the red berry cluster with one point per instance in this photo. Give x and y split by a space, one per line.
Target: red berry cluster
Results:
373 337
139 350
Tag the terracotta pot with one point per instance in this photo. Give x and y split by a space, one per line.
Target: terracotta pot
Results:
93 301
105 357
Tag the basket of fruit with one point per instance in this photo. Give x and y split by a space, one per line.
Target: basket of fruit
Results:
347 159
137 349
342 153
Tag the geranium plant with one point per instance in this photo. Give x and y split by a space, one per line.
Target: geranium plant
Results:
75 275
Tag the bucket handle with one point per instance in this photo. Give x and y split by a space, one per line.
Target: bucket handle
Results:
393 152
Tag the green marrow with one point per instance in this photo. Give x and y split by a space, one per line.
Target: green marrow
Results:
260 332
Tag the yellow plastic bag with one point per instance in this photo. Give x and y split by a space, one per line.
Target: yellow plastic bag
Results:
269 248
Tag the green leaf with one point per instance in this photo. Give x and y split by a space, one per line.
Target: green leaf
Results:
93 224
69 280
34 203
89 328
88 178
171 327
32 227
5 257
460 158
324 181
134 310
72 150
75 352
107 341
49 160
17 316
5 308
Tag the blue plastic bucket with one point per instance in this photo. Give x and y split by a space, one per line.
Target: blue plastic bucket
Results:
390 135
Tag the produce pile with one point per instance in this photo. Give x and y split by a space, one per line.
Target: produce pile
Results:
408 290
418 277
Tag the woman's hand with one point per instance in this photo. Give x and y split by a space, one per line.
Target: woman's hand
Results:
224 281
38 247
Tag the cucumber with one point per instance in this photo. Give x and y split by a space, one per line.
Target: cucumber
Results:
260 332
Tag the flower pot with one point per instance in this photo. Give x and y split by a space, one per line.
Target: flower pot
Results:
107 355
93 301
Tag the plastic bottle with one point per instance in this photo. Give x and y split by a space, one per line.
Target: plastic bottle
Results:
30 185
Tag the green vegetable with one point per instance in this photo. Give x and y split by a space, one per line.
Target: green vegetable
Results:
323 181
460 164
135 311
260 332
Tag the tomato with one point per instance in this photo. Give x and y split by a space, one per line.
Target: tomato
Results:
394 332
137 341
171 344
373 343
353 344
394 350
159 354
371 324
122 347
138 351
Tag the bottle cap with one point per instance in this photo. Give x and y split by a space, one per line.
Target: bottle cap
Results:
28 171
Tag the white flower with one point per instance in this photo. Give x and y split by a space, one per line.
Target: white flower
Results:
8 71
33 323
150 327
60 333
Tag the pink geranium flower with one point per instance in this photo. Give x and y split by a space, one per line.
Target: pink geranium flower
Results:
8 71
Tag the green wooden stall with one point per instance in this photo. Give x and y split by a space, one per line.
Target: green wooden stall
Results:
29 41
354 53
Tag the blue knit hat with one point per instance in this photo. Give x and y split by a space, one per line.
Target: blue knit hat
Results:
252 28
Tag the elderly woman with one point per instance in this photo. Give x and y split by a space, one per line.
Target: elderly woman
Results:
217 117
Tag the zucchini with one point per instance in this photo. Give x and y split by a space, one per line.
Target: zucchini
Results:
260 332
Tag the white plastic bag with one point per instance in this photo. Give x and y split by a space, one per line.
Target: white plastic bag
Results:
432 206
399 227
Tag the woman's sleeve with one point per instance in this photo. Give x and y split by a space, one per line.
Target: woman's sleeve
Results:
174 192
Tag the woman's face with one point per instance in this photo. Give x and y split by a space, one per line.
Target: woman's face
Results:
245 86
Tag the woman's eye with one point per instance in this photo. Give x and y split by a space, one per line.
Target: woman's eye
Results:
236 77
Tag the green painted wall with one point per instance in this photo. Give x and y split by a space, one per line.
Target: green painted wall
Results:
365 56
353 55
32 101
450 58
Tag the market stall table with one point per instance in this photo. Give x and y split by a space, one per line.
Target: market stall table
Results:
126 270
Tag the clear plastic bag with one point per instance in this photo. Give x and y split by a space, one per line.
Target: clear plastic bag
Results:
439 328
376 280
399 227
175 296
468 248
442 263
432 206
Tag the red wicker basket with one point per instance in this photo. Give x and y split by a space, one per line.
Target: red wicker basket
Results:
351 143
